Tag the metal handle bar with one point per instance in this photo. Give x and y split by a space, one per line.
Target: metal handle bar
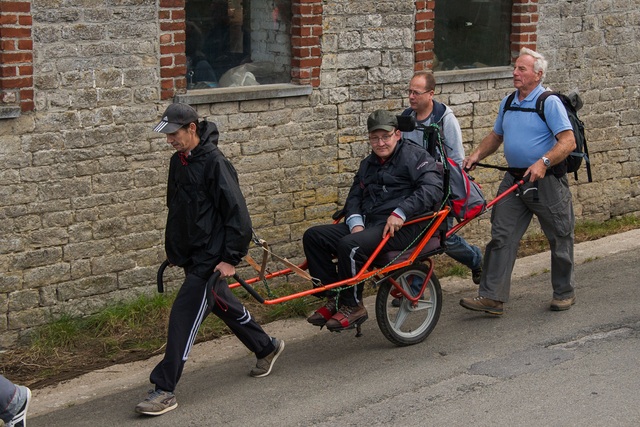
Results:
249 289
163 266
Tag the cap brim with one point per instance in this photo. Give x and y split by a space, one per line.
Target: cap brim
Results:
166 127
382 127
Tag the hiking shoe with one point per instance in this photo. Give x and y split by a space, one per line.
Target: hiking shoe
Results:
324 313
347 317
264 365
562 304
482 304
476 275
20 419
157 403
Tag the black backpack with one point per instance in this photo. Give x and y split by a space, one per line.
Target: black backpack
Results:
572 104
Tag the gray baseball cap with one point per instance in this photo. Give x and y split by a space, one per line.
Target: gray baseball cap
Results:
176 116
382 119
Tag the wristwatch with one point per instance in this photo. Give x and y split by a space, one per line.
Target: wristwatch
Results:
546 161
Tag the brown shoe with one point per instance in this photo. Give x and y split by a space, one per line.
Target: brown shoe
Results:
562 304
324 313
482 304
347 317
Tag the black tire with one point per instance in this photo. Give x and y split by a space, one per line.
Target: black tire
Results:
409 323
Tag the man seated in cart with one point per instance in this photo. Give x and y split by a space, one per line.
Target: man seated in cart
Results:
398 181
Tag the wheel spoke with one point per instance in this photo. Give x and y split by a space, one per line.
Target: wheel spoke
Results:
401 316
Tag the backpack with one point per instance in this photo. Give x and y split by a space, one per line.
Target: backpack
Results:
465 195
466 200
572 104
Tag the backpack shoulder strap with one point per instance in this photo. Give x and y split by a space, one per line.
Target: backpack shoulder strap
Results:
507 104
407 112
438 111
540 102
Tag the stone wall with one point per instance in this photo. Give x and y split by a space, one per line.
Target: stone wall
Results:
82 177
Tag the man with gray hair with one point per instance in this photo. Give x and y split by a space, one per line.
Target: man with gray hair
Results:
535 149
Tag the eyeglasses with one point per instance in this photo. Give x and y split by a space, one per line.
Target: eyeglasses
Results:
416 93
383 138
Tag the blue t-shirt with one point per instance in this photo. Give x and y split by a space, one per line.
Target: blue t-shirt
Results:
526 136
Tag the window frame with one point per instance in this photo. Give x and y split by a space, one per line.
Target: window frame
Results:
524 26
306 57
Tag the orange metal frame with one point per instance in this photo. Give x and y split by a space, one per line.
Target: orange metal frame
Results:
367 271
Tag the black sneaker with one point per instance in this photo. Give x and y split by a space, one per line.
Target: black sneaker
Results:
476 275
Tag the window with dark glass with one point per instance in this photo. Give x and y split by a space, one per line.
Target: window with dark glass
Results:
472 34
237 42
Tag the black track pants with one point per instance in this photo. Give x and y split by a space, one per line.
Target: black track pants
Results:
188 311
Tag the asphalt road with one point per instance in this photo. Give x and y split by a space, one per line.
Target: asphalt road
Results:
531 367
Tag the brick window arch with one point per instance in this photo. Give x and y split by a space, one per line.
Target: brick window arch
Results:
306 55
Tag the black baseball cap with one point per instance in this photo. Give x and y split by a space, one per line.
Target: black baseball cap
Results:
382 119
176 116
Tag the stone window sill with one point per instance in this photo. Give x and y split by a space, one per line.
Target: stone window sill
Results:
242 93
475 74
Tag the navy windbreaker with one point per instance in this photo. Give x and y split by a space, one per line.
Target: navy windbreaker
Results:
409 180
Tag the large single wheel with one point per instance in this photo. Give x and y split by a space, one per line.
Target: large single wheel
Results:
401 321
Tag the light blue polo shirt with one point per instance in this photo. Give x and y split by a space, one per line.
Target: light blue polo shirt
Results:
526 136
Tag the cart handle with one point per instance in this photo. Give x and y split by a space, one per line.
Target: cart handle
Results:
163 266
249 289
216 276
212 280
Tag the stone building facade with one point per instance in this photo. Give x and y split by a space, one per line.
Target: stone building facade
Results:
82 177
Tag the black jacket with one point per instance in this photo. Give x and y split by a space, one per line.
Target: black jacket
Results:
208 219
409 180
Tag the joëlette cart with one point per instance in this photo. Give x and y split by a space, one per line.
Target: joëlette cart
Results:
409 296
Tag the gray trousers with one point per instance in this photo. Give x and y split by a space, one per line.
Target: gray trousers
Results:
510 218
12 399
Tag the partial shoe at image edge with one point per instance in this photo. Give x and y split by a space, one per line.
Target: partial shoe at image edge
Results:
20 419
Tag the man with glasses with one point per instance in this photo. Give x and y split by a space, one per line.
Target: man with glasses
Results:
427 111
396 182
